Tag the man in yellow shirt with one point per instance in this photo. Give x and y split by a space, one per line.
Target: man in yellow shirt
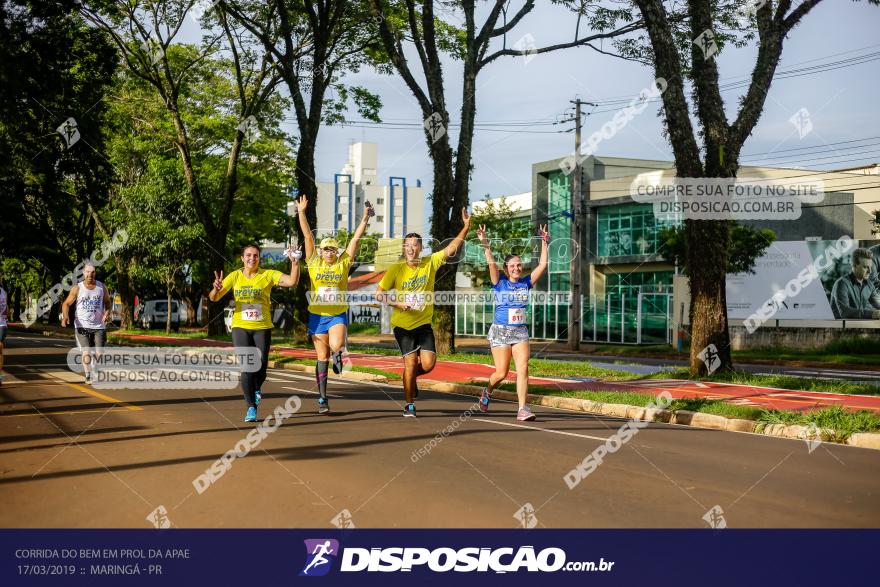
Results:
413 281
328 308
252 320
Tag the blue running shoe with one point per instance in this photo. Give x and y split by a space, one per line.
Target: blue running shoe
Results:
409 411
323 405
251 415
258 396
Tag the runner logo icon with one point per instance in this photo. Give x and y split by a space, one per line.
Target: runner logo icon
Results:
320 553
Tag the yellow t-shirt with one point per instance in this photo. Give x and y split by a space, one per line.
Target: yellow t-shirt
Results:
252 308
328 284
413 282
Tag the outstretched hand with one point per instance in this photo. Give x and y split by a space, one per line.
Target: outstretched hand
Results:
294 254
465 217
545 236
301 204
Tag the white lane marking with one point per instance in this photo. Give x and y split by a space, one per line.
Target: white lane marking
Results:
313 392
535 428
311 379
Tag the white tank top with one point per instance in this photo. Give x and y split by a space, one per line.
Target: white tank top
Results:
2 307
90 306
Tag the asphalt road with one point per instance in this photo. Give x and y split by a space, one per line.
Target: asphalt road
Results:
76 457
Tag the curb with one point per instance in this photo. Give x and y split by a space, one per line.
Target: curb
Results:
680 417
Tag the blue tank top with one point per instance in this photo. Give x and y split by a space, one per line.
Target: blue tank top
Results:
511 301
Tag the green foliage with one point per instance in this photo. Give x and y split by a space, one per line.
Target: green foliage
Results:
506 233
746 246
54 67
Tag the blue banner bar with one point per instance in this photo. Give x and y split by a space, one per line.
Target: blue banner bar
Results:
397 557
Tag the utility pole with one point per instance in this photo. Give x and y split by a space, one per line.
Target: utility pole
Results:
574 312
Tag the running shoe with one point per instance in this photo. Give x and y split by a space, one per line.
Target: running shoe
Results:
251 415
484 400
336 358
258 396
323 405
524 414
409 411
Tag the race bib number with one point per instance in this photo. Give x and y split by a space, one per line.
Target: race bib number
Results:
328 295
252 312
416 301
516 316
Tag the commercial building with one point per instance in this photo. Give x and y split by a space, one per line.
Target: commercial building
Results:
632 294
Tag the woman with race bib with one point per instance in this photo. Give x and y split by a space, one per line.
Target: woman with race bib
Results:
509 334
252 320
328 308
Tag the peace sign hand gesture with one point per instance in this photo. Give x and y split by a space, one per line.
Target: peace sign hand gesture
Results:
481 233
218 280
545 236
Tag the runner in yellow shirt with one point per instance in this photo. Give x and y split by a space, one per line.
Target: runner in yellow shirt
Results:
252 320
413 281
328 308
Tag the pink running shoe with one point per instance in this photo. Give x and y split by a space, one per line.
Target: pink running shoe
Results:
525 414
484 400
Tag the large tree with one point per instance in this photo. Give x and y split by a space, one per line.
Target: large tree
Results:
146 34
53 68
150 197
680 45
411 27
313 45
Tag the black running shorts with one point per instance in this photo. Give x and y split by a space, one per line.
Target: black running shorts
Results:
421 338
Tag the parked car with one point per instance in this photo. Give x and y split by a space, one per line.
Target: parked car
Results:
227 317
155 314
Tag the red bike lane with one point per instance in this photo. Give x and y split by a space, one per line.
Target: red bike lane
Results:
477 373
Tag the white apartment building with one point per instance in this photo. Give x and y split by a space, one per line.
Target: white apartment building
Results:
399 205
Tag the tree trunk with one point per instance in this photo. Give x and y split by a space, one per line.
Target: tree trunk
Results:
126 294
443 221
707 245
216 326
168 288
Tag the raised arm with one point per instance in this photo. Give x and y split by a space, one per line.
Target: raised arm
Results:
292 278
71 298
490 259
452 247
308 238
542 263
359 231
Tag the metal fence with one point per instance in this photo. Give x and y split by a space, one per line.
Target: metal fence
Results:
642 318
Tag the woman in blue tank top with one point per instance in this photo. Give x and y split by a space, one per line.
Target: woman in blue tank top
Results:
509 335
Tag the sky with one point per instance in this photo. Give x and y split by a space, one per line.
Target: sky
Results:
841 104
532 93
